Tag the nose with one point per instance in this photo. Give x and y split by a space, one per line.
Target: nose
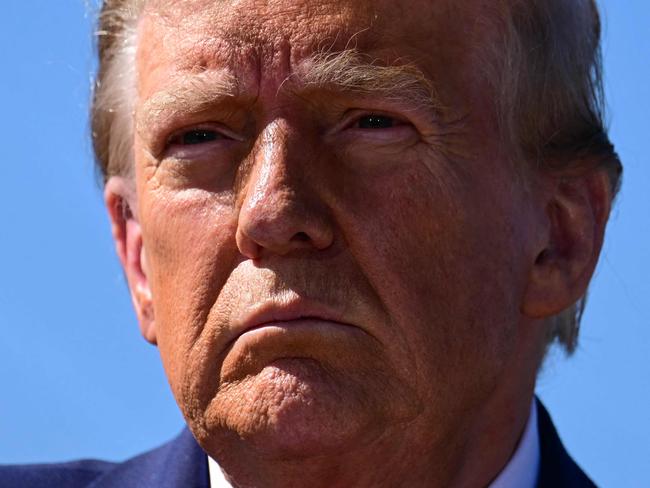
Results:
281 210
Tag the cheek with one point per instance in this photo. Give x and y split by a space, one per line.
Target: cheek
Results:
440 257
190 247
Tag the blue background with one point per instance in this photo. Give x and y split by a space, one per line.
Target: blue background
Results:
76 379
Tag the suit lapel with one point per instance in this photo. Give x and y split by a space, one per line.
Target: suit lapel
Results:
557 469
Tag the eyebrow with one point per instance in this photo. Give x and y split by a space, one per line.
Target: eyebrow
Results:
347 71
188 94
355 72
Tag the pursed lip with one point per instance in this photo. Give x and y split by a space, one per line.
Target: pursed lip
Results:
274 312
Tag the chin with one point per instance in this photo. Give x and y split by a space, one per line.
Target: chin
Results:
293 408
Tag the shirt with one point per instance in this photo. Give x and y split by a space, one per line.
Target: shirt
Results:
522 470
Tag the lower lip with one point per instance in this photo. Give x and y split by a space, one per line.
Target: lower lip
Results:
301 327
293 341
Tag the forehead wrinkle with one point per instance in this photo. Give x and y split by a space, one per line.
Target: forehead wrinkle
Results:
352 71
188 94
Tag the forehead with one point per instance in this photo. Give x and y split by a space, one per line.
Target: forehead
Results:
255 19
199 34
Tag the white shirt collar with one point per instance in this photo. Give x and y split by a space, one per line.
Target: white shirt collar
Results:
523 468
520 472
217 478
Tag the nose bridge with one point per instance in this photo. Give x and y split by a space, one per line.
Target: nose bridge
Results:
280 209
272 171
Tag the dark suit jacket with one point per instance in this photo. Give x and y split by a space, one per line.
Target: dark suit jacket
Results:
182 464
557 469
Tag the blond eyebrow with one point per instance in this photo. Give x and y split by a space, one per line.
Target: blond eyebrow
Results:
355 72
347 71
188 94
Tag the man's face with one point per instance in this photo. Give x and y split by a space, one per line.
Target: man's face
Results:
332 260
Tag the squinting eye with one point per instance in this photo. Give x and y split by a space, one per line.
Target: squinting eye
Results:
376 122
197 136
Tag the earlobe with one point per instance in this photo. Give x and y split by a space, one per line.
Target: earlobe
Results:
120 200
577 209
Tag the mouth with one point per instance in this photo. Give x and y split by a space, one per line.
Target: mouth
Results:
303 335
308 325
299 313
292 328
306 342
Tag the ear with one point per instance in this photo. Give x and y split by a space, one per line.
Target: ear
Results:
120 199
577 209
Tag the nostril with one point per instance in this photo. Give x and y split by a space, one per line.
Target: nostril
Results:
301 236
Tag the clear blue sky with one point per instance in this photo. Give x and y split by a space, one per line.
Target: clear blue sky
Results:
78 381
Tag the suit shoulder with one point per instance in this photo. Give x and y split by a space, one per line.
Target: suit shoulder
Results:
75 474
